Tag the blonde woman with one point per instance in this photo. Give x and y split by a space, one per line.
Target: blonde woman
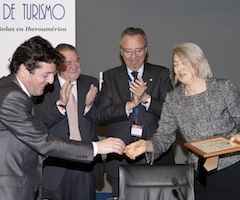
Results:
200 107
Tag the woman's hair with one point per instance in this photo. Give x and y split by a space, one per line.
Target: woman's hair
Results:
194 54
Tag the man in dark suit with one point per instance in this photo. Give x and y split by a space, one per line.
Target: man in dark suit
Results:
24 139
131 97
62 179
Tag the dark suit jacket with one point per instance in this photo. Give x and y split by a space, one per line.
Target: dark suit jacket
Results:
115 93
22 139
57 124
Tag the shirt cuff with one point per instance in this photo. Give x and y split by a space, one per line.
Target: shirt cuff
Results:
95 149
147 103
128 111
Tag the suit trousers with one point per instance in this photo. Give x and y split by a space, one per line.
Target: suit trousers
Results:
73 191
77 182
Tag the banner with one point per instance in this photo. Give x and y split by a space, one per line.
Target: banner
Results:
22 19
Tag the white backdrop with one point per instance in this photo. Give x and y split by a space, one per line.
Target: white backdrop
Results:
22 19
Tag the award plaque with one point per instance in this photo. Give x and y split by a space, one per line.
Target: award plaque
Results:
212 147
210 150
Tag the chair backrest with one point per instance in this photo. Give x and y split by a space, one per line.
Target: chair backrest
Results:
157 182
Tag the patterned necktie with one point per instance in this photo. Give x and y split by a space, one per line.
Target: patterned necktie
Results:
134 74
72 114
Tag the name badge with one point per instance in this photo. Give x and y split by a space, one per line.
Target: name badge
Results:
136 130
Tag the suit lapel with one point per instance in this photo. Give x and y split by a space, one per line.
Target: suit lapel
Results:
123 83
148 77
81 95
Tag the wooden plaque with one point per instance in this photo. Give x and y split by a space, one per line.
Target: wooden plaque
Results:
212 147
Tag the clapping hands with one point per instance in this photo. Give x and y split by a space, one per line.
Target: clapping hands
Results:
91 95
138 88
65 93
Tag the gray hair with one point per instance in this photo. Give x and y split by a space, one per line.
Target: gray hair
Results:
195 55
133 31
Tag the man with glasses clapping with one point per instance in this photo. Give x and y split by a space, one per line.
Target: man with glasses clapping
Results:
131 97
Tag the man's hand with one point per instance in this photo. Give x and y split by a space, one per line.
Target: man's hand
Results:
65 93
135 149
138 88
146 97
133 103
110 145
91 95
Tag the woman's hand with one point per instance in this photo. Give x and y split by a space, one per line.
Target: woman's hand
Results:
235 139
135 149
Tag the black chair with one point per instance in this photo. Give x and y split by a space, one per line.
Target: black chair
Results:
157 182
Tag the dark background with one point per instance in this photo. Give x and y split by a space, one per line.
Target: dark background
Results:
212 24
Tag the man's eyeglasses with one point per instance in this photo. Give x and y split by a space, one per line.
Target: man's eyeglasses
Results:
130 52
